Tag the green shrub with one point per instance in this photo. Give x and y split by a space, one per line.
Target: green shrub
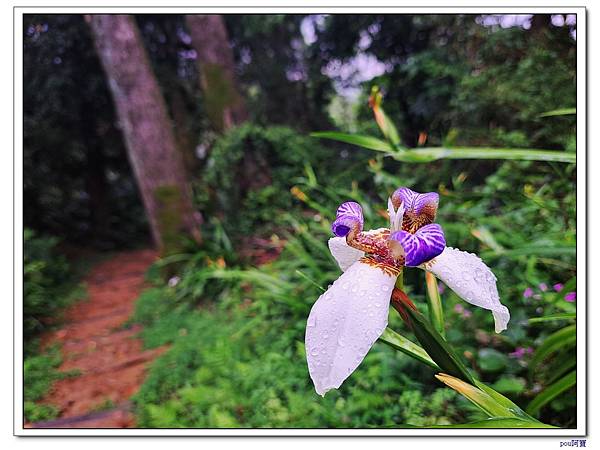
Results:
236 332
251 169
46 273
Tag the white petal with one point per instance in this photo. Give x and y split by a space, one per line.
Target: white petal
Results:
345 322
396 216
467 275
343 253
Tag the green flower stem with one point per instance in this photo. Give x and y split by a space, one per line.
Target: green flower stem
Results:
434 303
400 281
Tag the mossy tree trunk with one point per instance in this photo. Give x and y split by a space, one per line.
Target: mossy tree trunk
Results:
224 104
147 129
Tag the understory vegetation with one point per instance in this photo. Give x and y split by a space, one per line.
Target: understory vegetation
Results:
236 330
478 110
50 285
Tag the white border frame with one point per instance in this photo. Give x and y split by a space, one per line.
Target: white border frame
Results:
582 400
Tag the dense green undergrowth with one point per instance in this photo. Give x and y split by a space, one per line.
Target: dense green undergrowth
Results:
50 285
237 331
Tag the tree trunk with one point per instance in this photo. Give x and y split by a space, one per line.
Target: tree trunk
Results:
147 129
224 104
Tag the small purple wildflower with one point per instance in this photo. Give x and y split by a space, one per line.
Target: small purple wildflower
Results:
441 288
528 293
465 313
520 352
570 297
558 287
543 287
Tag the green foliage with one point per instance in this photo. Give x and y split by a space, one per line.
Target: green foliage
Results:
47 283
39 372
236 332
552 391
242 364
470 101
491 360
237 185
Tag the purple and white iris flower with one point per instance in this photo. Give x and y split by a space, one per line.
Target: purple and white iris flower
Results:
351 315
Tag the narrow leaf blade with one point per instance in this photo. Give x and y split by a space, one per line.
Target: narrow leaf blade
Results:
477 396
551 392
552 317
560 112
436 347
556 341
400 343
370 142
429 154
498 422
434 303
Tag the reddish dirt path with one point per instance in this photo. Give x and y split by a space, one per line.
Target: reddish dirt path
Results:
108 356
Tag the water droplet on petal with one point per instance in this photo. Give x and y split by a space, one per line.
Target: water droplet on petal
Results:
312 321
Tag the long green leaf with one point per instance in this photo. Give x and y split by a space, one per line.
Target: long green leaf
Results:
370 142
436 347
507 403
551 392
400 343
497 422
478 397
559 112
434 303
428 154
561 366
551 317
562 338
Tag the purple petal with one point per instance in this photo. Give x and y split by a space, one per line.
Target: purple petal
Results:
348 216
528 293
420 209
350 208
427 243
558 287
570 297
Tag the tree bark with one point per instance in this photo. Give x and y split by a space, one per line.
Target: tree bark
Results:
147 129
224 104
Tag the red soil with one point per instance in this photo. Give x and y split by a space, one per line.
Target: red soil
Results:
108 356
